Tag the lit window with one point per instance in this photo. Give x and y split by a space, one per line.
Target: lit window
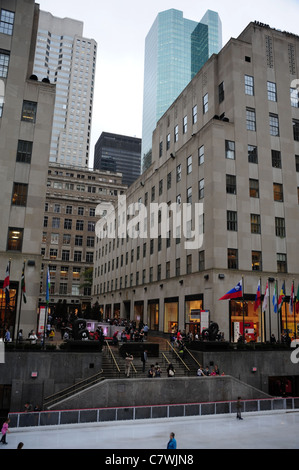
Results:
7 22
29 111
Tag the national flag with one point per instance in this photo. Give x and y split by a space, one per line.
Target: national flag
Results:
6 283
297 300
23 285
48 286
281 297
234 293
274 299
258 300
266 297
292 299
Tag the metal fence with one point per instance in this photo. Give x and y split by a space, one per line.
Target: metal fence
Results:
98 415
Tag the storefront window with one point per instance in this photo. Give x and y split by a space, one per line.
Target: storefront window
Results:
138 312
192 315
8 312
153 315
171 315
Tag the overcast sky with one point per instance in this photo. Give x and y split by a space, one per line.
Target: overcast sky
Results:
120 28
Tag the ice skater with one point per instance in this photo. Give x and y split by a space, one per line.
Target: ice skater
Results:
239 407
4 431
172 441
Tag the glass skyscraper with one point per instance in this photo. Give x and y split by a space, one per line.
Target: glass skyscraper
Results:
175 50
67 59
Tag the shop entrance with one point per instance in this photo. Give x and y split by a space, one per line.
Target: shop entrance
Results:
171 314
138 311
8 311
5 397
284 386
153 314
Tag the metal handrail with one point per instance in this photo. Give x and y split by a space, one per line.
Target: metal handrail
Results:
185 365
112 355
77 387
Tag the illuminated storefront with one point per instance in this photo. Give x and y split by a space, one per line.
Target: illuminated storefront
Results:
259 325
153 314
193 307
171 314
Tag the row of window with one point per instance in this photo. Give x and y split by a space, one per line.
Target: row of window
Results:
66 239
250 112
255 223
64 290
66 255
141 276
69 210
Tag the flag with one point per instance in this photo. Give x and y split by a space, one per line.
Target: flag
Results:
257 301
274 299
266 297
281 297
297 300
23 286
234 293
292 299
6 283
48 286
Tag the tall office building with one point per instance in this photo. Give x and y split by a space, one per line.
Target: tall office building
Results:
220 204
67 59
175 50
118 153
26 117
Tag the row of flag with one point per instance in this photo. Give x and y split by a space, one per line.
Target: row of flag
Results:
277 300
6 284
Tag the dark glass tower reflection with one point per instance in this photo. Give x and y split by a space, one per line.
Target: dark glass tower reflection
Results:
175 50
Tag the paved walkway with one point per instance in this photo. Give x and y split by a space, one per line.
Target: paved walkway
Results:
268 430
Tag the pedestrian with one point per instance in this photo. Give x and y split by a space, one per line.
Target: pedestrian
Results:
151 371
143 359
129 359
170 370
172 441
5 431
239 407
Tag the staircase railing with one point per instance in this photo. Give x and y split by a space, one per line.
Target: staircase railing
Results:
69 391
178 357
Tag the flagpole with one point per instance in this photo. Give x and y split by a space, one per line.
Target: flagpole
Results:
278 334
295 324
243 309
5 312
262 314
20 306
294 305
269 309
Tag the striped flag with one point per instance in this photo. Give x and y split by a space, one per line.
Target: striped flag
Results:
6 283
266 297
23 285
292 299
274 298
48 286
258 299
297 300
281 297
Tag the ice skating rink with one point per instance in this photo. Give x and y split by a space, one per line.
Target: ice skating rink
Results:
267 430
